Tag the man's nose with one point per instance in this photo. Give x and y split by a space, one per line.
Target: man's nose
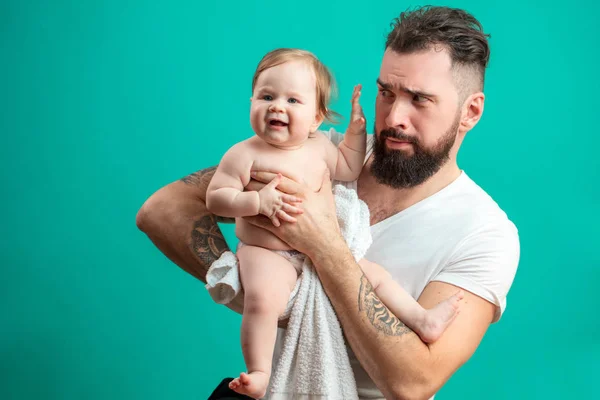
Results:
398 116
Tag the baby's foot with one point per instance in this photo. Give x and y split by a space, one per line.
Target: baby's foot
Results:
253 384
438 318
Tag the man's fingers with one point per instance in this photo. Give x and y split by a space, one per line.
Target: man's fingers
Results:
263 176
275 181
286 185
255 186
260 221
326 183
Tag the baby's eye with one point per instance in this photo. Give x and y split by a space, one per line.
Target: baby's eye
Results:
267 97
292 100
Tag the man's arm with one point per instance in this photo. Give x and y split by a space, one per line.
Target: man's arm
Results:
400 364
175 218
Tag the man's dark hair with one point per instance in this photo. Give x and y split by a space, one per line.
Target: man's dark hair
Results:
455 30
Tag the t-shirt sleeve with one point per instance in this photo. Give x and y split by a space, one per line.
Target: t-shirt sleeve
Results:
485 264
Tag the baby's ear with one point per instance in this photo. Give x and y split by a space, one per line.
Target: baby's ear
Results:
318 121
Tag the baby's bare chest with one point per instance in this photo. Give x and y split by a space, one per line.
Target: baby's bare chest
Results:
299 165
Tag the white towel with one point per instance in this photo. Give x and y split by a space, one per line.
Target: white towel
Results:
313 362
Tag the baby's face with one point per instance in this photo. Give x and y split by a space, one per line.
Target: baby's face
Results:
284 109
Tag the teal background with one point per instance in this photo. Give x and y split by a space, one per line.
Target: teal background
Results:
102 103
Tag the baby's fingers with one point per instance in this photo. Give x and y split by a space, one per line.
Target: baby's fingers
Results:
275 220
291 209
288 198
285 217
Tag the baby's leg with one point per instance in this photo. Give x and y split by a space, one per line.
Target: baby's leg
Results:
428 324
268 280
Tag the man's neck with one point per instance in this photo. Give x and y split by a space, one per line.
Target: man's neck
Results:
389 201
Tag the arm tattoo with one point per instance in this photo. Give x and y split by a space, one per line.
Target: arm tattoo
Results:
200 178
377 313
207 240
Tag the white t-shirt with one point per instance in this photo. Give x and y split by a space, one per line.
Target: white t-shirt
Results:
459 235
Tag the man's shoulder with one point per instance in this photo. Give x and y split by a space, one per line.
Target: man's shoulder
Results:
483 219
473 200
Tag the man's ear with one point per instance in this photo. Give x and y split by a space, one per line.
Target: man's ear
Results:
472 111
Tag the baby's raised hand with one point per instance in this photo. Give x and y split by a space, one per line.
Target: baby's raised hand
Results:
277 205
357 117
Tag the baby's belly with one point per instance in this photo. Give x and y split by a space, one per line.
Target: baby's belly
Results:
255 236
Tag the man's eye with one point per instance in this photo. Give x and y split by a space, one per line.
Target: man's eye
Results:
385 93
267 97
292 100
419 99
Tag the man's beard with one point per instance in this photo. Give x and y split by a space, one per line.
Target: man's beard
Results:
399 170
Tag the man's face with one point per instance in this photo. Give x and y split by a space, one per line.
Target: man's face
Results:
417 117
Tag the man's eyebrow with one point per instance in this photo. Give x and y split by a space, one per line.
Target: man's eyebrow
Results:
412 92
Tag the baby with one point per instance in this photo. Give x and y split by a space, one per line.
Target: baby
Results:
291 90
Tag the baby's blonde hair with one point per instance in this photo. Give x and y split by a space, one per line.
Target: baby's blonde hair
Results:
326 87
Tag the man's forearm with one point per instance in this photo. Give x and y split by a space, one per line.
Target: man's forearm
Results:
395 357
176 220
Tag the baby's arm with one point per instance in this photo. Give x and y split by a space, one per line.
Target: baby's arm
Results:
351 152
226 197
428 324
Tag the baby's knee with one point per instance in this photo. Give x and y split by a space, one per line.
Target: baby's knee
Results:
256 304
273 302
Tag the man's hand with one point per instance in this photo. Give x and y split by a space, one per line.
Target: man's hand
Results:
317 224
277 205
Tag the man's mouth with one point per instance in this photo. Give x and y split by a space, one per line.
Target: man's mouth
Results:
397 140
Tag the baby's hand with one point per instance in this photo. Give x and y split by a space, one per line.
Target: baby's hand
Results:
277 205
357 117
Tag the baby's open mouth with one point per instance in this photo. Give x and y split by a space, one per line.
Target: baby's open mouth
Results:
276 122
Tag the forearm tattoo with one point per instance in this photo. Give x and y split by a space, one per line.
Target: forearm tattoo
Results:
207 240
377 313
200 178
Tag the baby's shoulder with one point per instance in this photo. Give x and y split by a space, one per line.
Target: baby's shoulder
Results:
319 140
243 148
